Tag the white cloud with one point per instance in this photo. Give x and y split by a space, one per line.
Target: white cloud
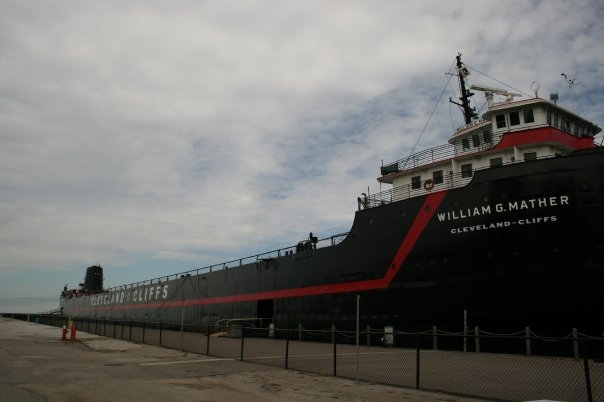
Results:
188 132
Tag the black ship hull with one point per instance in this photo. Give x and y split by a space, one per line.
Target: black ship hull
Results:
519 245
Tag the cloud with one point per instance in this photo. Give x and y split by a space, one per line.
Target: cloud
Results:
186 132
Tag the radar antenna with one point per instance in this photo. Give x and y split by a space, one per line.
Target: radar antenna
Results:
489 92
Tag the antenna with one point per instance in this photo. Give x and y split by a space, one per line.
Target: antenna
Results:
571 83
535 87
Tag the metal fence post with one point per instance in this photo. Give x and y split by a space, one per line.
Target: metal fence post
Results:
368 335
434 338
286 348
208 342
358 334
527 335
144 326
576 343
417 357
160 330
299 332
586 371
130 333
465 331
242 339
335 353
477 339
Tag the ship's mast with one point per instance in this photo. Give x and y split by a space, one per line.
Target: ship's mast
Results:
469 113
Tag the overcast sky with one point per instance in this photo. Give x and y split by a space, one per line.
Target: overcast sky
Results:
157 136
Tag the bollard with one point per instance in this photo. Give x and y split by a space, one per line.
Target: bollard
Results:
73 332
64 333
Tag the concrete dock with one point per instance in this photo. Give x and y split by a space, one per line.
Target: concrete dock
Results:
35 365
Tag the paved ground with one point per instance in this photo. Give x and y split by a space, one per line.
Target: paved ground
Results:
36 366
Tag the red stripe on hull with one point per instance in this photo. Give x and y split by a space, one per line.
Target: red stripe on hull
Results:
426 212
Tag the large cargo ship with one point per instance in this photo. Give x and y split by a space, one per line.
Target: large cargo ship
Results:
503 224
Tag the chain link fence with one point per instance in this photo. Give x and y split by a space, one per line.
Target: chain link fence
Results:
507 367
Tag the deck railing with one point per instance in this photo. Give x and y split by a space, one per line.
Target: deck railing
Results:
263 258
440 153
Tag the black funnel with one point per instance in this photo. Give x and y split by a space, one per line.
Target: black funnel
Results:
94 278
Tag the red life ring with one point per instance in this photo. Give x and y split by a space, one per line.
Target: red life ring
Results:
428 184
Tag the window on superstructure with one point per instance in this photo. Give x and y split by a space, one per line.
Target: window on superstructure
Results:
416 182
465 143
555 120
475 140
496 162
500 120
486 137
527 115
514 118
466 170
437 176
530 156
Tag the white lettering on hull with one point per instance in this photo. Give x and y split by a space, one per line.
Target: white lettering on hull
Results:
504 224
138 295
511 206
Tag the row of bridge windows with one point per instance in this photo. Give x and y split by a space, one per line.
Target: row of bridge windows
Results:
514 118
568 124
526 116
